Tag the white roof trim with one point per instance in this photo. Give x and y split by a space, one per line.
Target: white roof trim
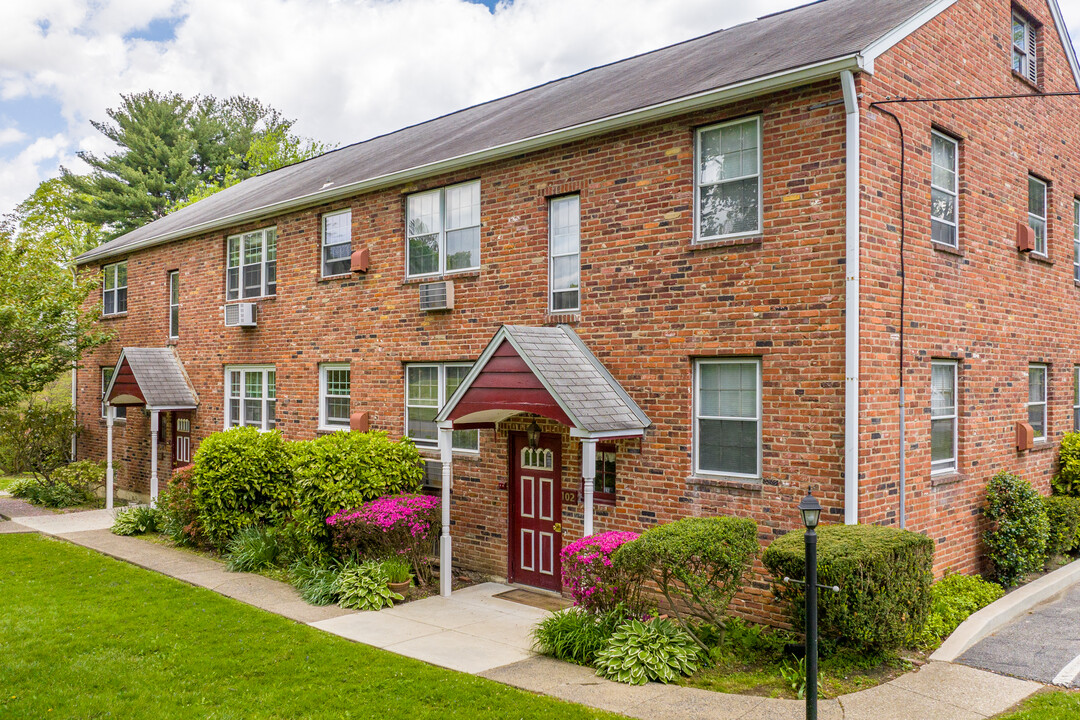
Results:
748 88
898 33
1066 41
116 370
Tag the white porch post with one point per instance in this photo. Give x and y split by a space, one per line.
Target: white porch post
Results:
154 417
110 416
446 454
588 477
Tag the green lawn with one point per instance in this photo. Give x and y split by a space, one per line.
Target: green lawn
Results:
1052 705
85 636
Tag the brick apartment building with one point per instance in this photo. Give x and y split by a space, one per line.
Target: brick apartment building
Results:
690 265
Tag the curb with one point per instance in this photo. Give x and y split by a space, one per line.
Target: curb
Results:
992 617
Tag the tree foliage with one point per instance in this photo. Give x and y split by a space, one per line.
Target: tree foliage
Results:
172 149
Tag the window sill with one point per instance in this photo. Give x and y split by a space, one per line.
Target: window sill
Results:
740 241
950 477
946 249
429 453
336 278
113 316
251 299
1024 78
717 482
116 421
1040 446
563 317
1044 259
330 430
456 275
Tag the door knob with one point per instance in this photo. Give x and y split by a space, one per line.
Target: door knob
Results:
557 527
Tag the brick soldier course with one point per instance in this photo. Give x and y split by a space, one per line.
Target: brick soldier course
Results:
653 300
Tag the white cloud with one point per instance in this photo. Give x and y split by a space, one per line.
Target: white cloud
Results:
9 136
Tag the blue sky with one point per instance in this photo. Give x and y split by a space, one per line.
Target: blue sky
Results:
344 69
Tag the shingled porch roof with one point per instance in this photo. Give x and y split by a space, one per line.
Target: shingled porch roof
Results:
550 372
152 377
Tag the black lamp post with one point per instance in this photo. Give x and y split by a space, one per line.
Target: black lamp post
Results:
810 509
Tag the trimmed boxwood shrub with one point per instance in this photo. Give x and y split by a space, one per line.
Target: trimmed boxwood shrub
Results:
241 477
346 469
1017 539
884 575
698 564
1067 480
1063 513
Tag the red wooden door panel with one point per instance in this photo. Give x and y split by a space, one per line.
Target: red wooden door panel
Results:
536 512
181 439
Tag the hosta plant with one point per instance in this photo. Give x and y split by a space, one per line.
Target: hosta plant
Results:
135 521
640 651
363 587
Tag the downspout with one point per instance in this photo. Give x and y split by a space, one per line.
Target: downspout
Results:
851 303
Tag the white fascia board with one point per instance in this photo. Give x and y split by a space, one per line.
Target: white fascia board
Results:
730 93
470 378
607 434
1066 41
898 33
112 380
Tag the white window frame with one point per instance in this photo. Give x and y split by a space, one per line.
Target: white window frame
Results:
348 241
1034 218
442 398
174 304
698 364
325 422
1076 239
552 256
266 287
443 229
113 269
951 464
954 193
106 375
1026 51
264 424
1037 403
698 237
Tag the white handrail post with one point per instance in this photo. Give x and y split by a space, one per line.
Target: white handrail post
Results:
110 417
446 454
154 423
588 478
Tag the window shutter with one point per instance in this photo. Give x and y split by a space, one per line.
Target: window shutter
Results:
1032 66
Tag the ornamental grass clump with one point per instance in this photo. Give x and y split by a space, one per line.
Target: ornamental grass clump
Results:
397 525
597 583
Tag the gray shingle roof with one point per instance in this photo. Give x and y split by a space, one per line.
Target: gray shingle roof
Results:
161 378
787 41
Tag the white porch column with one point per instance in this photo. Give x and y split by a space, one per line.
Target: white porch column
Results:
588 477
446 454
154 417
110 416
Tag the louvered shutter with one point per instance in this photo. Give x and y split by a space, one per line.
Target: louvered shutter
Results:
1032 66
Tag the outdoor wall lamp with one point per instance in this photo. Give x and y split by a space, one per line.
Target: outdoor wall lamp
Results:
533 434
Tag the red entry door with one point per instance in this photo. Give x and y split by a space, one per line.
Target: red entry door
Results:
536 512
181 439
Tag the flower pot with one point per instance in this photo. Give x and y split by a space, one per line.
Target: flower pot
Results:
401 588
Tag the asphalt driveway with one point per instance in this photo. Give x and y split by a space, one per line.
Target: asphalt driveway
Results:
1041 645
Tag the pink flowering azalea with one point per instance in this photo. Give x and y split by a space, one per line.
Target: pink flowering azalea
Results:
590 575
393 525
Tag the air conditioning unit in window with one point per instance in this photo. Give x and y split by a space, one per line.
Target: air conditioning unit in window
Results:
241 315
437 296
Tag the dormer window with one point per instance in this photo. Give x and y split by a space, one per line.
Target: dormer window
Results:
1024 61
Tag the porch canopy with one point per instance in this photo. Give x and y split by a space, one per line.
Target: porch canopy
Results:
547 371
155 379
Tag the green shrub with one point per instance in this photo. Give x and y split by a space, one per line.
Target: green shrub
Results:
37 437
639 651
67 486
698 564
241 477
884 575
315 581
1063 513
136 521
363 587
1067 480
346 469
178 517
952 599
251 549
1017 540
576 635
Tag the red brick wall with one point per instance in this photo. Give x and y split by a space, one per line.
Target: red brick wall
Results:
989 306
651 302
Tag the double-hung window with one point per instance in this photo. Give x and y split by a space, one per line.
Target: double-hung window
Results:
174 304
336 243
943 189
114 289
427 388
251 271
1037 212
334 394
106 376
1076 240
564 243
1023 49
727 417
1036 405
251 396
943 416
443 230
728 179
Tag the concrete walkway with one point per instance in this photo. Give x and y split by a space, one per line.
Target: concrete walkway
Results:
476 632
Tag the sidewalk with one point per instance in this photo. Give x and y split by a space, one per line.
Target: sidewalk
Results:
476 632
